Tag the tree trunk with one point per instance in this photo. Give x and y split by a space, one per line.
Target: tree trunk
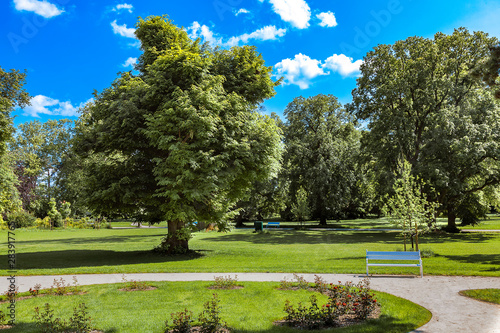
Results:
452 224
239 221
175 242
322 220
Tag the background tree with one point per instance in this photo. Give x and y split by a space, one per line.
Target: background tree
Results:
12 94
423 103
321 146
39 150
182 141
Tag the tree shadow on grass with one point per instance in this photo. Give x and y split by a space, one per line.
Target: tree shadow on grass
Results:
284 237
289 237
381 325
482 259
91 239
32 327
93 258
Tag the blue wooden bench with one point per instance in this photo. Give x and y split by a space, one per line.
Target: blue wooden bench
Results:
385 256
273 224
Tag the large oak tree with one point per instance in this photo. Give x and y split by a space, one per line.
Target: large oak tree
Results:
182 140
423 103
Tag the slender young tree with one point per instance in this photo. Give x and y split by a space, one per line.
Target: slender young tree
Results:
409 208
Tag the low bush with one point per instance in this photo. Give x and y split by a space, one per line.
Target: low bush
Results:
21 219
225 282
209 318
79 322
344 301
181 322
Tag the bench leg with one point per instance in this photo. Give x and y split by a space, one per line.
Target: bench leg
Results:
421 271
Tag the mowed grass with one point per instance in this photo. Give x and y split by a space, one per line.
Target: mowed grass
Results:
487 295
129 251
251 309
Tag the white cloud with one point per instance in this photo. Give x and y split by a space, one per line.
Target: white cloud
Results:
327 19
42 8
296 12
41 104
204 32
343 64
269 32
300 70
130 62
122 30
241 11
125 6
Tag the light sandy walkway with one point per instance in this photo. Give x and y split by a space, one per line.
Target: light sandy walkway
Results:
439 294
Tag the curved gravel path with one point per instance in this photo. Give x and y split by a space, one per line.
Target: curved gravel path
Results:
451 312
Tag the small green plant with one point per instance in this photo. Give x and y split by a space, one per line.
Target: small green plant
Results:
181 322
225 282
2 318
209 318
11 294
285 284
135 285
54 215
46 322
34 291
59 287
301 281
320 284
65 210
427 253
79 322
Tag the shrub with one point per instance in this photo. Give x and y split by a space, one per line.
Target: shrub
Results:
54 215
135 285
65 210
59 287
43 224
225 282
181 322
46 322
301 281
79 322
209 318
21 219
343 300
35 290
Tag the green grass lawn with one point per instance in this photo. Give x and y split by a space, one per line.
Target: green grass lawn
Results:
128 251
487 295
251 309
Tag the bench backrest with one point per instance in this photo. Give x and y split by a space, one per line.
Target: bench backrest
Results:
392 255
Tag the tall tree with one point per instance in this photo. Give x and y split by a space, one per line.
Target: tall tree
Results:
422 102
12 94
39 150
321 144
183 140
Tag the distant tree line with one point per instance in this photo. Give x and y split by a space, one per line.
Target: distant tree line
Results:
182 139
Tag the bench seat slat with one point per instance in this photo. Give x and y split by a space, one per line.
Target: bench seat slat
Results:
393 256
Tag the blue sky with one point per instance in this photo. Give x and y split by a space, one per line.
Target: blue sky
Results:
69 48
